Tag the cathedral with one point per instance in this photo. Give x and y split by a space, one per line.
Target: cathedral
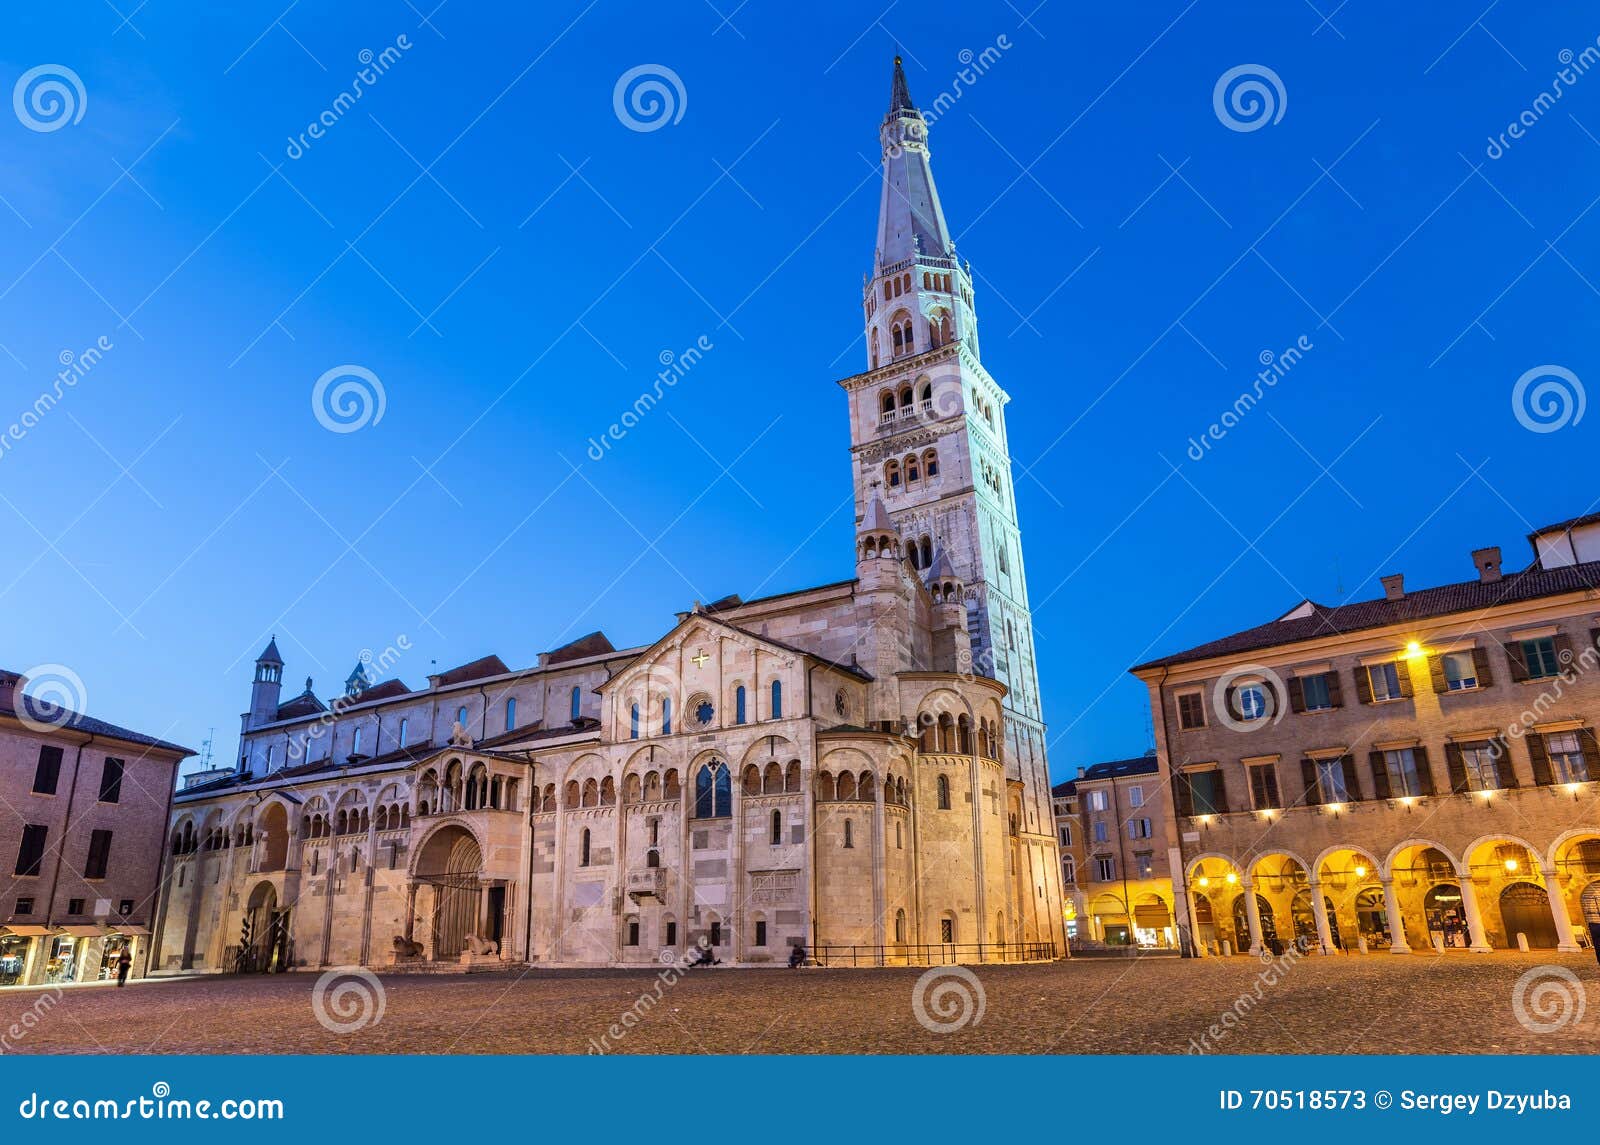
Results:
856 769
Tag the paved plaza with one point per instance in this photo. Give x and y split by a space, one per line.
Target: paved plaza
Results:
1374 1004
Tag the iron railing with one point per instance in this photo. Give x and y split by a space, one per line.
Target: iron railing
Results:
931 954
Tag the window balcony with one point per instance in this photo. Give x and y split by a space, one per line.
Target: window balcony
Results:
648 883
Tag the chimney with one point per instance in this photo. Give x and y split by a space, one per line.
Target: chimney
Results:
1394 586
1082 771
1487 562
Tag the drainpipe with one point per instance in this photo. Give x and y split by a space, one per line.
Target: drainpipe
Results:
1180 877
66 830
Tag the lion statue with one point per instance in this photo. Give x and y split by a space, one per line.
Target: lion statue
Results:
405 948
481 946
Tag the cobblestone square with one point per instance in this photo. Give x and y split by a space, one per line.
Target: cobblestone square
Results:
1376 1004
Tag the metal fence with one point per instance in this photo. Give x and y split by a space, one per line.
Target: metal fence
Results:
931 954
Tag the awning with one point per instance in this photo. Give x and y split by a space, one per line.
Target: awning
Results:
133 930
27 930
84 930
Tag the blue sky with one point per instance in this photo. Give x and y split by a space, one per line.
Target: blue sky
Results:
484 234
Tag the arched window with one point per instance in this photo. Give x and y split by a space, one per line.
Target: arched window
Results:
886 402
738 705
900 926
652 858
913 472
777 699
891 474
849 834
461 716
355 743
577 703
943 787
633 722
511 714
583 848
927 553
713 791
666 717
403 724
777 828
930 463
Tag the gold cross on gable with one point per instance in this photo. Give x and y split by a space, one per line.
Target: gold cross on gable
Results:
700 660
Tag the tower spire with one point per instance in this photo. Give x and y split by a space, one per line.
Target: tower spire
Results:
900 96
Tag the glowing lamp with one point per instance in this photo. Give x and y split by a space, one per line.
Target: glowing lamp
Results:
1204 882
1511 864
1413 649
1361 871
1232 878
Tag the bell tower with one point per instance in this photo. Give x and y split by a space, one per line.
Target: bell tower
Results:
928 435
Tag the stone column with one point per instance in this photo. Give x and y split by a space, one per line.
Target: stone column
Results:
1469 903
1319 912
1558 912
1195 943
1397 925
1252 914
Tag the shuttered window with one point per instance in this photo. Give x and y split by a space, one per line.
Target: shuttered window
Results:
48 772
99 855
111 781
31 853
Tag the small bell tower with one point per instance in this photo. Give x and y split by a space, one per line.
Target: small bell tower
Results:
267 687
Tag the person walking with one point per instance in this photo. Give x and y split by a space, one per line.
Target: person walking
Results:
124 964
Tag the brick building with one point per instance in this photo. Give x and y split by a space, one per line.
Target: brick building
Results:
83 812
1112 828
1413 771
